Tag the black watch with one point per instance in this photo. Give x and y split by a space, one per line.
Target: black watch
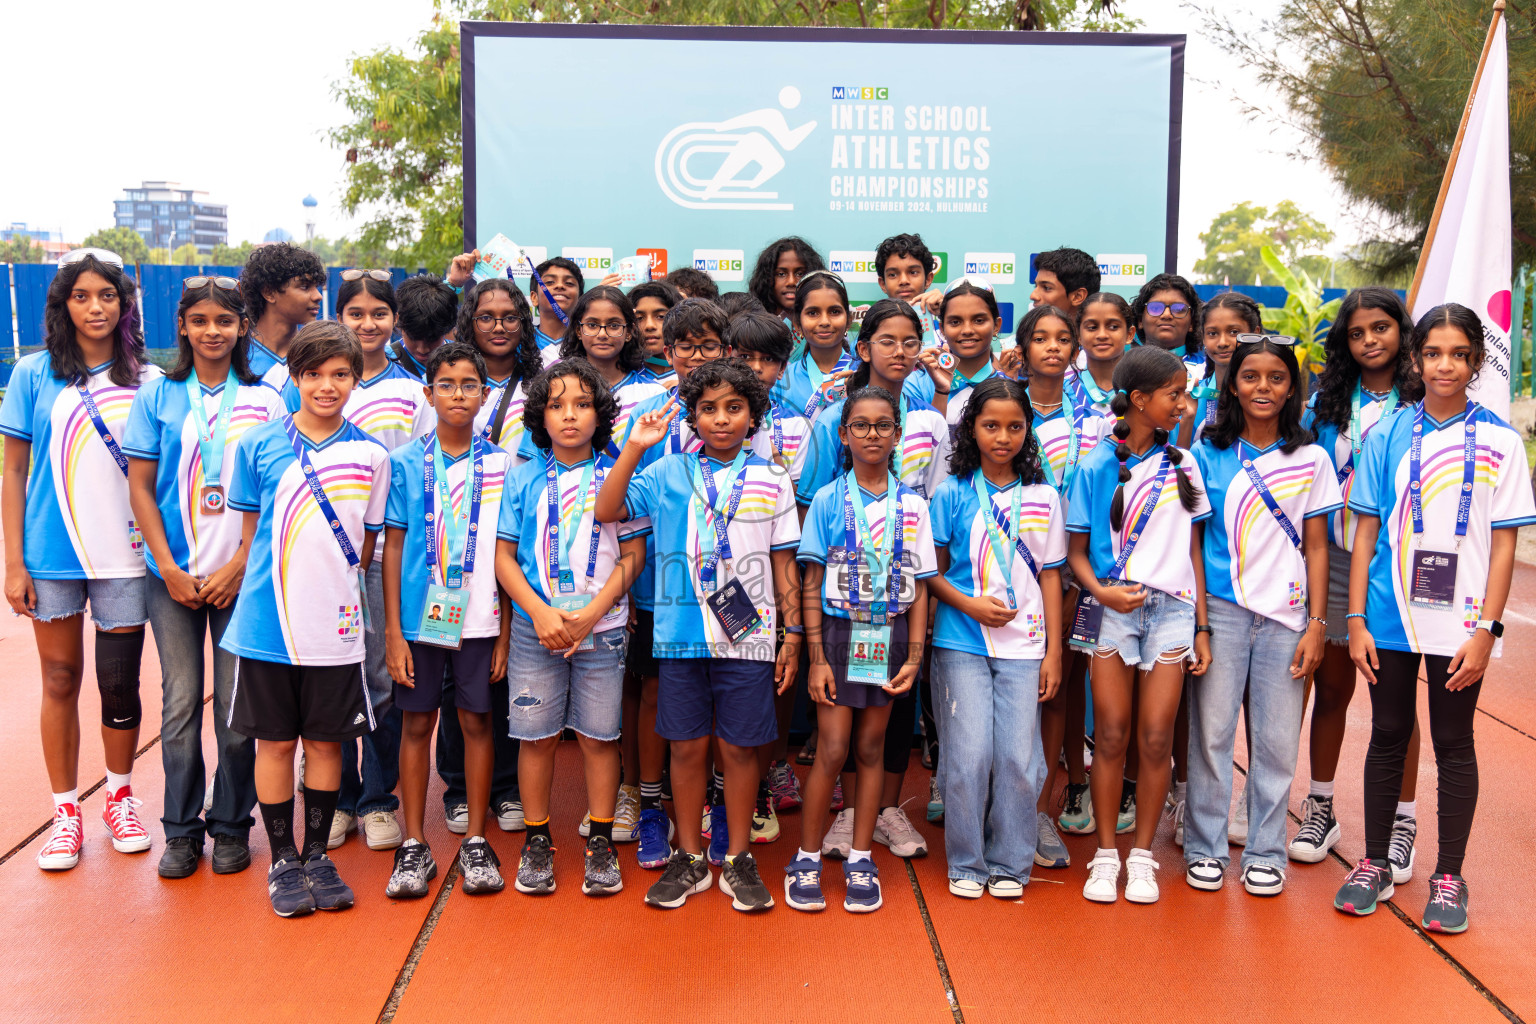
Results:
1203 629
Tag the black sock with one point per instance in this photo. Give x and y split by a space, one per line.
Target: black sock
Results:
650 796
319 809
602 828
541 829
279 821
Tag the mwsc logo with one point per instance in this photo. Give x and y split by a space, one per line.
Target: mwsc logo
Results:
590 260
860 92
997 266
722 165
720 264
852 266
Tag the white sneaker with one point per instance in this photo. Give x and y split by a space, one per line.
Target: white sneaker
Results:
381 831
626 814
894 829
1205 874
966 888
1141 877
457 817
1263 880
839 838
1005 888
341 825
1178 823
1237 828
1103 874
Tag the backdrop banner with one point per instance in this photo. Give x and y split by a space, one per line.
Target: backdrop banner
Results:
697 146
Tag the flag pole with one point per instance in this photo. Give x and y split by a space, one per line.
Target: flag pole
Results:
1450 165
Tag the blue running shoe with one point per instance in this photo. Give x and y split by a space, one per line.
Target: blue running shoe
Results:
655 839
1447 909
1368 884
802 887
289 890
863 880
719 835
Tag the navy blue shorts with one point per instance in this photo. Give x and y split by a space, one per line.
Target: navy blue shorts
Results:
729 697
471 663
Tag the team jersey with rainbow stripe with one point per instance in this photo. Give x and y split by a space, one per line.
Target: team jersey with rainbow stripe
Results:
1340 449
162 427
391 406
510 439
922 458
825 540
78 522
1249 560
1501 499
974 570
300 602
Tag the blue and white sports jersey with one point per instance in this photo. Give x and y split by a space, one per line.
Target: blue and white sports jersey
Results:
1054 434
161 427
974 570
1086 390
663 375
78 521
525 522
783 434
800 379
546 342
405 359
922 458
824 540
1249 559
391 406
1340 448
681 440
960 397
300 603
1160 558
1501 499
262 359
406 510
276 377
765 521
510 439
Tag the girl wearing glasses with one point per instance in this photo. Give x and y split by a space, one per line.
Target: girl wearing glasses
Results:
182 435
71 537
496 319
604 332
1167 314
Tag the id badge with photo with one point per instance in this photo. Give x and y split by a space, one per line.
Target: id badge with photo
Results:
442 618
573 603
733 609
869 655
1432 582
1086 621
210 500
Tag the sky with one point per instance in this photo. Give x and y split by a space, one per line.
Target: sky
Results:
196 86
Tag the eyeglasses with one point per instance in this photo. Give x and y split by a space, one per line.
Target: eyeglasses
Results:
1172 308
861 428
106 256
358 275
1273 339
707 349
614 327
446 388
911 347
228 284
511 322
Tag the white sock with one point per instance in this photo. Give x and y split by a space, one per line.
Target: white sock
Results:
1144 853
854 856
1179 789
1111 852
1321 789
810 855
1409 809
72 797
116 782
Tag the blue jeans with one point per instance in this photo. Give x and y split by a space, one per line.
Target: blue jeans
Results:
582 692
992 761
372 787
179 634
1249 652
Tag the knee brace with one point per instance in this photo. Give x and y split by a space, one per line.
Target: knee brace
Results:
118 656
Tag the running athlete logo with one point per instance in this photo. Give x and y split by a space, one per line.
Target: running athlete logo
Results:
135 537
349 622
727 153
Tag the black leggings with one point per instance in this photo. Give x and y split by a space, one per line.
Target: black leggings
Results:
1393 701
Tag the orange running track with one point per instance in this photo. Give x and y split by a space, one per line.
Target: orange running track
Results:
111 941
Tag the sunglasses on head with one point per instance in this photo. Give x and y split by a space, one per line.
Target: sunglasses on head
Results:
358 275
1273 339
106 256
1174 308
974 280
228 284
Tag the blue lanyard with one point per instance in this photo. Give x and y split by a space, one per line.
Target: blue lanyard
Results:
1002 531
859 542
817 378
101 429
777 427
720 548
493 405
1074 450
564 320
327 512
1357 432
1468 472
1142 518
211 438
1087 388
459 533
561 538
1248 455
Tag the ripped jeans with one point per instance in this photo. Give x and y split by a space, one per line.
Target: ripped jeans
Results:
549 692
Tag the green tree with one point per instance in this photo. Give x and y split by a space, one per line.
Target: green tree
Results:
160 256
230 255
1378 88
1305 316
126 242
402 141
187 256
1234 241
21 249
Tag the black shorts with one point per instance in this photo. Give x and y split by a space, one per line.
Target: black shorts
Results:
471 676
274 701
640 661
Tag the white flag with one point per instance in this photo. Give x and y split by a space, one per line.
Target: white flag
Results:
1469 260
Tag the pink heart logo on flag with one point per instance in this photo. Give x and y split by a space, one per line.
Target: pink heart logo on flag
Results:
1500 306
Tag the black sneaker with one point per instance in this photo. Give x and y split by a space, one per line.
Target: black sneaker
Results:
414 868
325 884
536 867
180 857
1367 885
1400 848
685 875
601 877
288 889
1447 908
1319 831
231 854
479 867
740 881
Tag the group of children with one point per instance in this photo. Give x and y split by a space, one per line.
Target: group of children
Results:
653 517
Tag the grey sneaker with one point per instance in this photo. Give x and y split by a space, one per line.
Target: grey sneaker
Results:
685 875
740 881
458 818
1050 851
478 865
601 876
839 838
414 868
536 869
894 829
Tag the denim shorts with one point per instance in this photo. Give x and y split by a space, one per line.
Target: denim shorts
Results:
1163 623
549 692
114 603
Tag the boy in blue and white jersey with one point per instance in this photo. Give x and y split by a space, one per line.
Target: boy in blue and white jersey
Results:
281 286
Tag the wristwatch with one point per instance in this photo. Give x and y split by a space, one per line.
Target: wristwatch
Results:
1494 627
